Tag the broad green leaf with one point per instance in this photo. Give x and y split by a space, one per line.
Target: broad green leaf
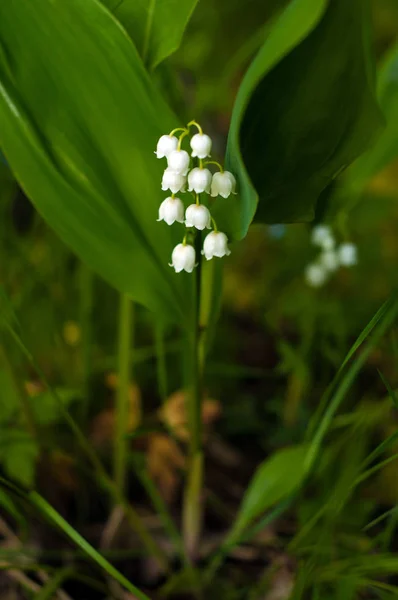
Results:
305 110
274 480
385 149
155 26
79 121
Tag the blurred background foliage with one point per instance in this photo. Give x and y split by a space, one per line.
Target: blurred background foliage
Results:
278 345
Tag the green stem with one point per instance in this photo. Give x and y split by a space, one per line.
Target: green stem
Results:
122 398
195 124
192 510
177 129
86 277
131 515
184 134
214 162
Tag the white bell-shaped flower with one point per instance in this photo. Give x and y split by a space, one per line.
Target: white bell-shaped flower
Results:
322 236
178 160
199 180
166 144
197 216
329 259
348 254
201 145
223 184
171 210
215 244
315 275
183 258
173 181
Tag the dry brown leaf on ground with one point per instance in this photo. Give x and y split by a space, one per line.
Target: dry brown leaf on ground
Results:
164 461
174 414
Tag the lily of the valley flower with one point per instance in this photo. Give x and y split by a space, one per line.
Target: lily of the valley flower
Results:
315 275
183 258
171 210
223 184
199 180
322 236
178 160
347 254
216 244
329 259
173 181
197 216
201 145
166 144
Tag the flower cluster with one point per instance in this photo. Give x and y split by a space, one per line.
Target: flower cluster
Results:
331 257
181 172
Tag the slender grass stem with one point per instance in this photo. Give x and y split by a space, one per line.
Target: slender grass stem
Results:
86 277
131 515
125 340
26 409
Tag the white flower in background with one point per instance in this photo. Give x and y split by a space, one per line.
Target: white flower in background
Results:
201 145
329 259
223 184
173 181
322 236
216 244
178 160
315 275
199 180
197 216
166 144
348 254
171 210
183 258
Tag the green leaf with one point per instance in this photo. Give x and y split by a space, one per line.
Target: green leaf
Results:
304 112
52 515
385 149
79 125
274 480
155 26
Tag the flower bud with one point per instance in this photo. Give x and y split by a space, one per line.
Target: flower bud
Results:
215 244
175 182
223 184
183 258
315 275
348 255
178 160
171 210
199 180
322 236
329 260
201 145
166 144
197 216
